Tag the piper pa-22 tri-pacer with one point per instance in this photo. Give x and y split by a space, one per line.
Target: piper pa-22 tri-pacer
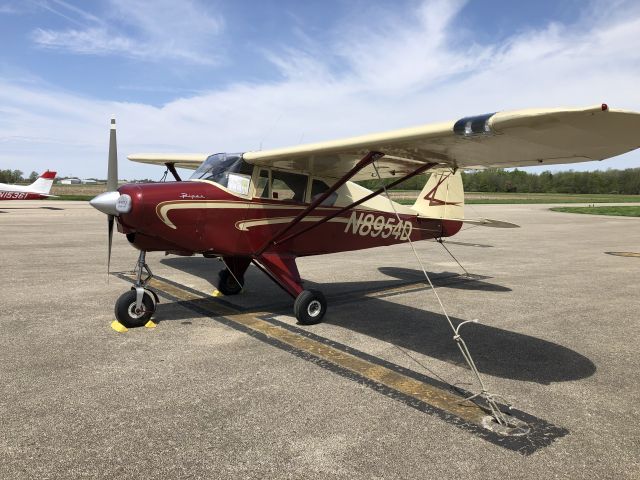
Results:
270 207
36 191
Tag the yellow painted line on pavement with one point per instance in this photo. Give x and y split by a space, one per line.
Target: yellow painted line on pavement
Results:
624 254
432 395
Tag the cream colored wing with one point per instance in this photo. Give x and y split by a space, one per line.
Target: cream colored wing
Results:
504 139
181 160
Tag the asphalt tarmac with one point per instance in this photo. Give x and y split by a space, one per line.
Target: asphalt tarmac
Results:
233 388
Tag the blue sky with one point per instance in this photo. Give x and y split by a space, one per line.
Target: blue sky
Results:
214 76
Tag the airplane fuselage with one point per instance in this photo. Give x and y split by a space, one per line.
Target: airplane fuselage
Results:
12 194
199 217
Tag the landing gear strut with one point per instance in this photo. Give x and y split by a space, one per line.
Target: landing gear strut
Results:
135 307
309 306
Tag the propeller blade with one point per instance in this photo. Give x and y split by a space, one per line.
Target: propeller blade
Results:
112 185
110 228
112 171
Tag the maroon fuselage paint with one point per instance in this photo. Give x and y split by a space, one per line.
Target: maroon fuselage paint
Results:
209 219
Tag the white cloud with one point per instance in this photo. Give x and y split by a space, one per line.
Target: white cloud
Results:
8 9
402 53
388 79
141 29
91 40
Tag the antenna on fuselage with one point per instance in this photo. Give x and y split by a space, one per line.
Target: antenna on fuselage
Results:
273 126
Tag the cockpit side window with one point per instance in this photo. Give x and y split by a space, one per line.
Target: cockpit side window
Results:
217 168
262 184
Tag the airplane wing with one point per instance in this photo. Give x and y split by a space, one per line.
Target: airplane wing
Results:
190 161
505 139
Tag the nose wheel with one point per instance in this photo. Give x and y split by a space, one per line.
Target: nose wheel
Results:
129 314
135 307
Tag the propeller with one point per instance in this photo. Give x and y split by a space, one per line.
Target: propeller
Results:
110 228
111 202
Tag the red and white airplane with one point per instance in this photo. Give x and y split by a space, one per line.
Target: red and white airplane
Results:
271 207
36 191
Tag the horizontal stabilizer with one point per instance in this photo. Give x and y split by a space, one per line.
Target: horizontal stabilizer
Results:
487 222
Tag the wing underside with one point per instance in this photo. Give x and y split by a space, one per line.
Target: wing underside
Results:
190 161
504 139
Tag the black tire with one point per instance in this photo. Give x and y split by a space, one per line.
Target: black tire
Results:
310 307
228 284
125 309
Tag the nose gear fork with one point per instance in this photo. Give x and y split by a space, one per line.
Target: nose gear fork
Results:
135 307
140 285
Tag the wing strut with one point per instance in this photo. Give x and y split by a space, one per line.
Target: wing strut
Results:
172 168
417 171
367 160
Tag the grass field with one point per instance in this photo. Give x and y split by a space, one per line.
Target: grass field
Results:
626 211
77 192
407 197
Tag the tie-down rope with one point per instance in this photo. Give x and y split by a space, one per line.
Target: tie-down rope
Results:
484 394
441 242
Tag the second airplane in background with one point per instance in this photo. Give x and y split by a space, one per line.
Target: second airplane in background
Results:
36 191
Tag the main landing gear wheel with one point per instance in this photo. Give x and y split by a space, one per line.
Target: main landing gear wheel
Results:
228 284
130 316
310 307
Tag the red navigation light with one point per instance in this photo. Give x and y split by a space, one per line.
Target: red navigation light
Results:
605 107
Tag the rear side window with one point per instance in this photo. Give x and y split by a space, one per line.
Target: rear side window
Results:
318 187
288 186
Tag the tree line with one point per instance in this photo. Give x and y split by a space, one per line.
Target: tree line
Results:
15 176
625 182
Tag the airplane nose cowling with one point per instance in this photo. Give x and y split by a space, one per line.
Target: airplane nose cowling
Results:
112 203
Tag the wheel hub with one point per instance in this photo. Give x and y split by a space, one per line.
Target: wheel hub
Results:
314 308
135 312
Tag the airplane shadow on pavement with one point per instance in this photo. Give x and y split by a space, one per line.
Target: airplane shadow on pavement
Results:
496 351
29 208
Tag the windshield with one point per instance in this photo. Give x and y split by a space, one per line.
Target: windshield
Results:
217 167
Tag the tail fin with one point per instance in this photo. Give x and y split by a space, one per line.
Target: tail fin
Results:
442 196
44 182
